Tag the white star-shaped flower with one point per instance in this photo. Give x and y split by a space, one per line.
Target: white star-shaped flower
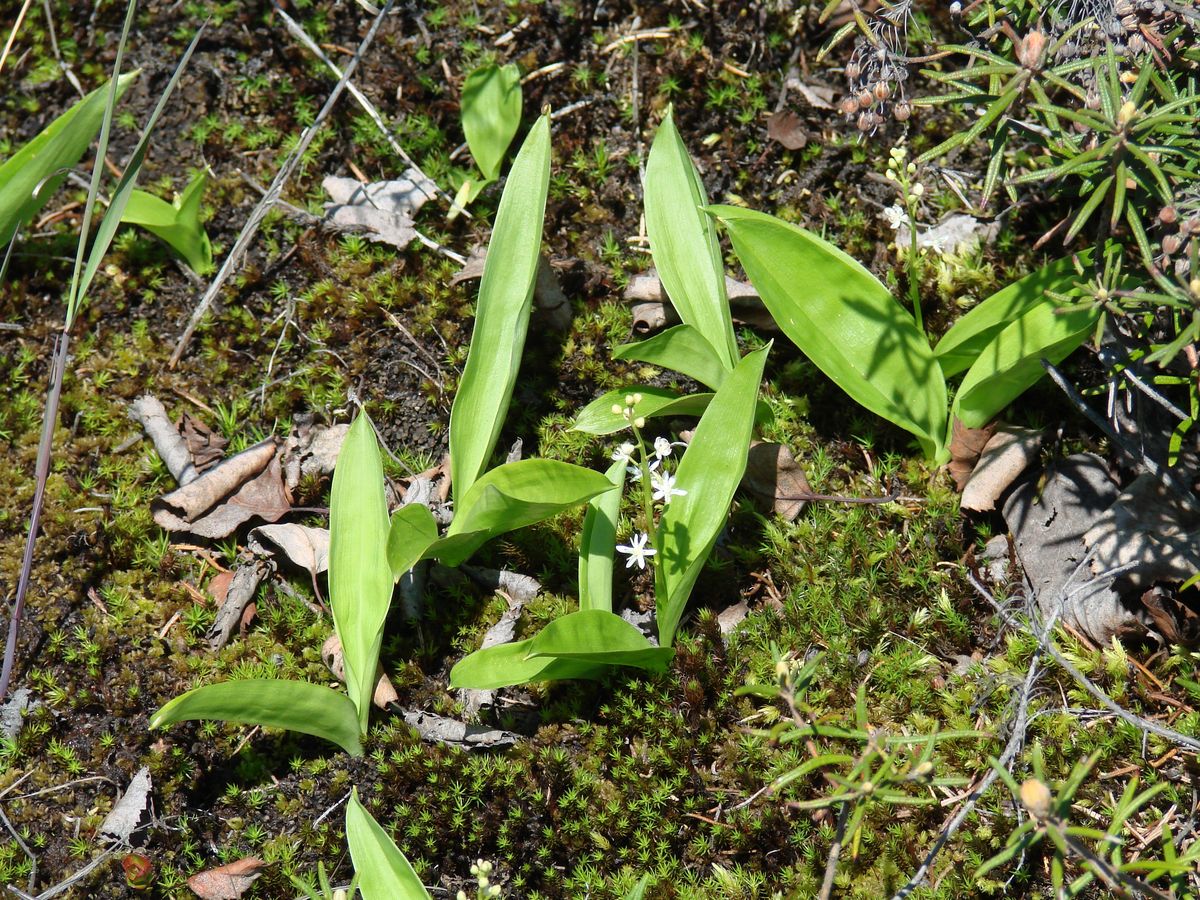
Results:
624 453
663 484
637 550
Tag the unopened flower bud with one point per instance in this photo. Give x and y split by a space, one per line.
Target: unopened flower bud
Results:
912 168
917 189
1126 113
640 422
1030 50
1036 798
1194 287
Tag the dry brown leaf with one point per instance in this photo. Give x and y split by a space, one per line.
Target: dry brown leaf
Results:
819 96
205 445
335 661
227 882
383 210
304 546
966 444
785 127
243 487
1148 533
218 586
775 480
131 811
1008 453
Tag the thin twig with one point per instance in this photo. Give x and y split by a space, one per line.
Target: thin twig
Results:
29 853
250 229
12 35
1016 739
368 107
835 851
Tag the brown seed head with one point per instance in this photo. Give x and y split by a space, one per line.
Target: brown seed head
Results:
902 111
1036 798
1031 50
1167 215
881 91
1171 244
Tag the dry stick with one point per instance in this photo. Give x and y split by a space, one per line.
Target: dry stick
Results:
1016 739
41 472
835 850
250 229
368 107
12 35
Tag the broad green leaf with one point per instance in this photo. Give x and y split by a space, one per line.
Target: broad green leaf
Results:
598 541
383 872
710 472
491 113
176 223
683 242
507 664
502 312
58 146
412 532
360 578
845 321
271 702
598 636
681 348
1011 363
962 344
512 496
598 418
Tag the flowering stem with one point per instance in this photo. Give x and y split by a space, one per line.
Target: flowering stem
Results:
914 267
647 499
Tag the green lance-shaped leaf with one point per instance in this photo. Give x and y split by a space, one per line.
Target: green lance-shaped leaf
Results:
598 416
512 496
598 541
413 531
683 242
638 892
682 348
491 114
59 146
178 223
962 344
82 278
600 637
710 471
1011 363
502 312
274 703
360 578
383 872
845 321
509 664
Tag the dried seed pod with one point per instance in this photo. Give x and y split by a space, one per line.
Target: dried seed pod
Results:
1168 215
1036 798
1171 244
848 106
881 91
865 121
1123 8
902 111
1137 44
853 71
1191 226
865 100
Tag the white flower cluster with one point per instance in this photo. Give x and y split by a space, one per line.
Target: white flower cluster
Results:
482 869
